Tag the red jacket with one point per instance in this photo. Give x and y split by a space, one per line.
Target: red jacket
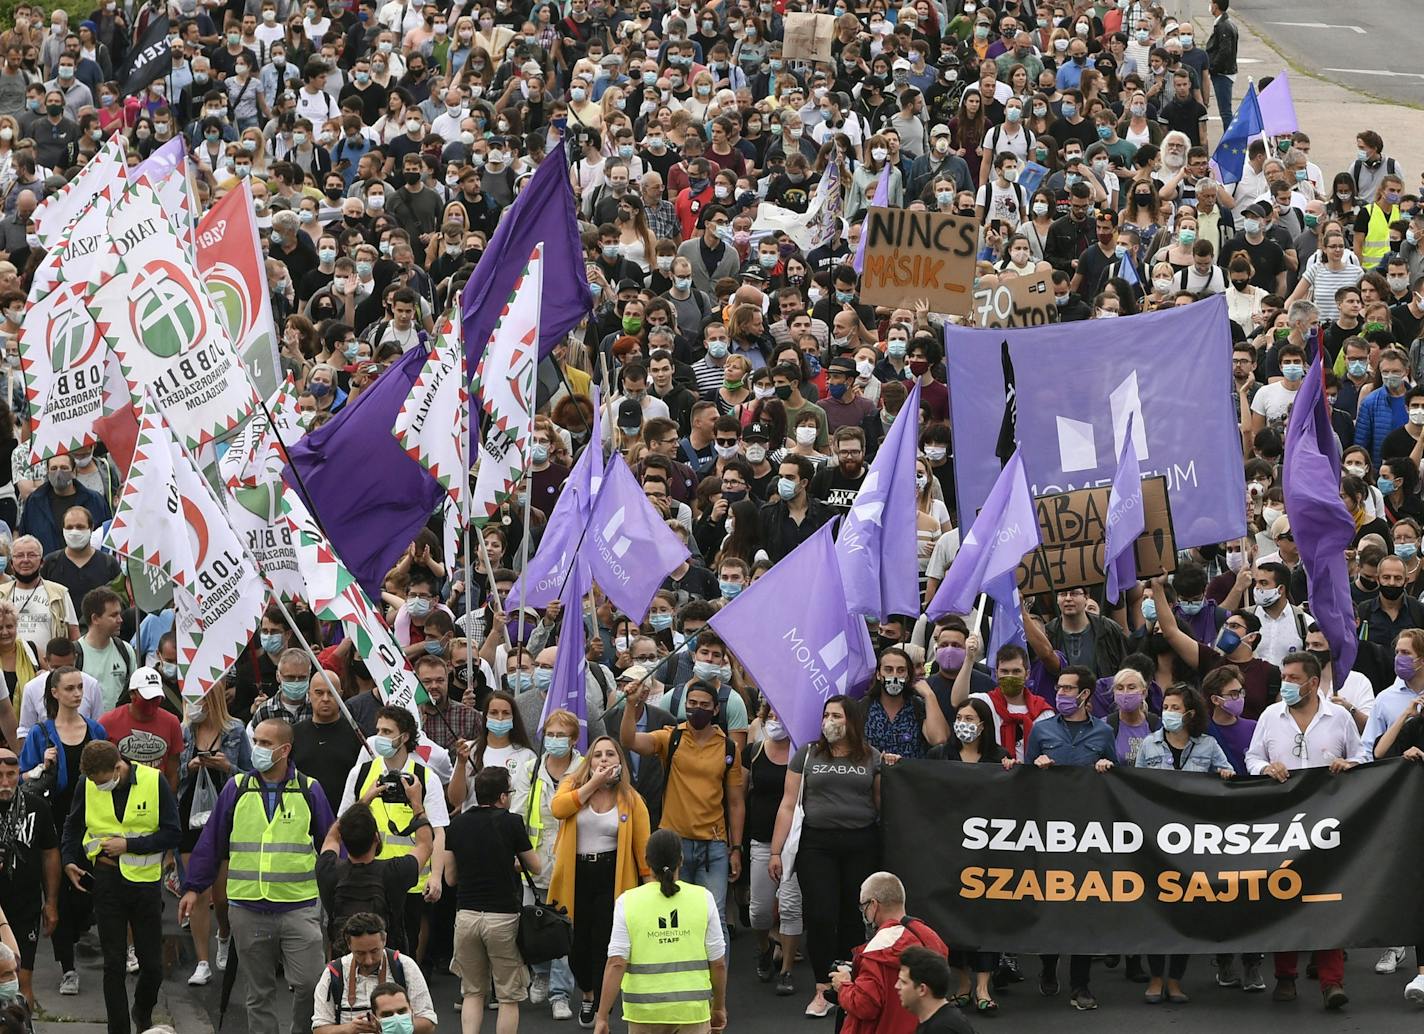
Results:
871 1003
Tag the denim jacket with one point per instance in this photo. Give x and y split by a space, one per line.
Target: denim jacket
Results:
1201 754
233 743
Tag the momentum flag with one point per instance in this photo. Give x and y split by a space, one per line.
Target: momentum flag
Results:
1125 520
876 544
234 273
814 647
623 519
569 685
1323 527
543 212
371 497
881 199
1278 106
1003 531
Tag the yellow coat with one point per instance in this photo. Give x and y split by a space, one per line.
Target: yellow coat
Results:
633 831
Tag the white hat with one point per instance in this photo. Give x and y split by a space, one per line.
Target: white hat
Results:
146 682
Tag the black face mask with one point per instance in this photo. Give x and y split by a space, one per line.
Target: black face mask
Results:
1391 592
1368 584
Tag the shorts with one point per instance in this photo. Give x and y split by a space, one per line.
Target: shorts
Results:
486 944
26 929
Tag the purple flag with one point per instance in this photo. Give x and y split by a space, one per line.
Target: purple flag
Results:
623 519
1007 626
162 161
1324 529
1125 520
568 688
880 200
543 212
1277 106
1076 389
550 565
1004 530
876 545
813 648
369 496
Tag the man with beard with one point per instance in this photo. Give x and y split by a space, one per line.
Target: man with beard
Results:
836 486
445 721
29 866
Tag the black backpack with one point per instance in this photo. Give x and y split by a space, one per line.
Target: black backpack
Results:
395 969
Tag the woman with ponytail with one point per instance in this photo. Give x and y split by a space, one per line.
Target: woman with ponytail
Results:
664 934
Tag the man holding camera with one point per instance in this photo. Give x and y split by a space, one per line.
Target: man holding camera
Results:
381 784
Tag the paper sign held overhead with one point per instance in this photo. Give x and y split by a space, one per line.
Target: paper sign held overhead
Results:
913 255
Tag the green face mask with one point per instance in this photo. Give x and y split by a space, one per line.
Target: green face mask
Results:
632 324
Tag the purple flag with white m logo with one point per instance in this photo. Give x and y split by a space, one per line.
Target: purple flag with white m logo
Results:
1077 387
629 548
793 631
567 689
1125 521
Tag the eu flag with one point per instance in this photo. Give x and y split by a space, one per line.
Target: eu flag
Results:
1230 153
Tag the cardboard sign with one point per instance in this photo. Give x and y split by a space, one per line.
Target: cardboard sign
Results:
1073 527
808 36
1018 301
912 255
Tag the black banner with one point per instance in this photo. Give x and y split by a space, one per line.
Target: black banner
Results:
1069 860
149 59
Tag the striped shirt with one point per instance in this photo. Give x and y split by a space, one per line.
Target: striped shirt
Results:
1324 282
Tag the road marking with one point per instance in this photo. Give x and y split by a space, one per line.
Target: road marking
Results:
1320 25
1378 71
1248 61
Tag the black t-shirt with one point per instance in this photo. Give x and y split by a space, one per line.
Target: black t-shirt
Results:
1267 259
380 886
835 488
485 842
22 855
768 783
946 1020
327 752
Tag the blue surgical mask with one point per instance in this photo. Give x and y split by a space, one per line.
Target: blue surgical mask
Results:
295 690
500 726
729 590
1172 721
1227 641
1357 367
1290 693
845 297
435 647
385 746
660 622
1292 371
1149 610
417 608
543 678
262 759
786 488
1192 608
557 746
1406 550
706 671
402 1024
272 641
1385 485
169 669
521 681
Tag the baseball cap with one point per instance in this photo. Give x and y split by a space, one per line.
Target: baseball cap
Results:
633 673
939 130
757 432
146 682
841 364
630 414
900 65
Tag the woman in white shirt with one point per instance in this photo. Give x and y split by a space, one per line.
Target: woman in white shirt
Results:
931 515
503 742
1244 300
634 234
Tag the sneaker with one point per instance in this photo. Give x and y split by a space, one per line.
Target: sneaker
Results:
764 963
224 946
1253 981
1083 1000
133 960
786 986
562 1010
1048 984
1285 990
539 989
1413 991
1389 960
1226 975
586 1014
1335 997
819 1007
202 973
69 983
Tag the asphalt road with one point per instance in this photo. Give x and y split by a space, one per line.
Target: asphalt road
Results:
1377 1005
1368 46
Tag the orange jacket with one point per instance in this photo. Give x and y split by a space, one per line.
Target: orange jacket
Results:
633 831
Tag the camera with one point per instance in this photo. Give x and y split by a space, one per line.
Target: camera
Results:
392 788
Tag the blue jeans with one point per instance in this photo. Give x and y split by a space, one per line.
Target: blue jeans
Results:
1221 86
704 862
561 978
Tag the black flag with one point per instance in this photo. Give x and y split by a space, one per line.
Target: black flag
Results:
148 60
1008 429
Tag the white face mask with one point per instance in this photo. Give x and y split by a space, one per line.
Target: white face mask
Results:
76 538
806 435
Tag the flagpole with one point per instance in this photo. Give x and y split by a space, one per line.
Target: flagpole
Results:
529 502
276 596
467 491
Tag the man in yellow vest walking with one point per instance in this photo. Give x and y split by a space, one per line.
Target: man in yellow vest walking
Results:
268 825
123 819
666 955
